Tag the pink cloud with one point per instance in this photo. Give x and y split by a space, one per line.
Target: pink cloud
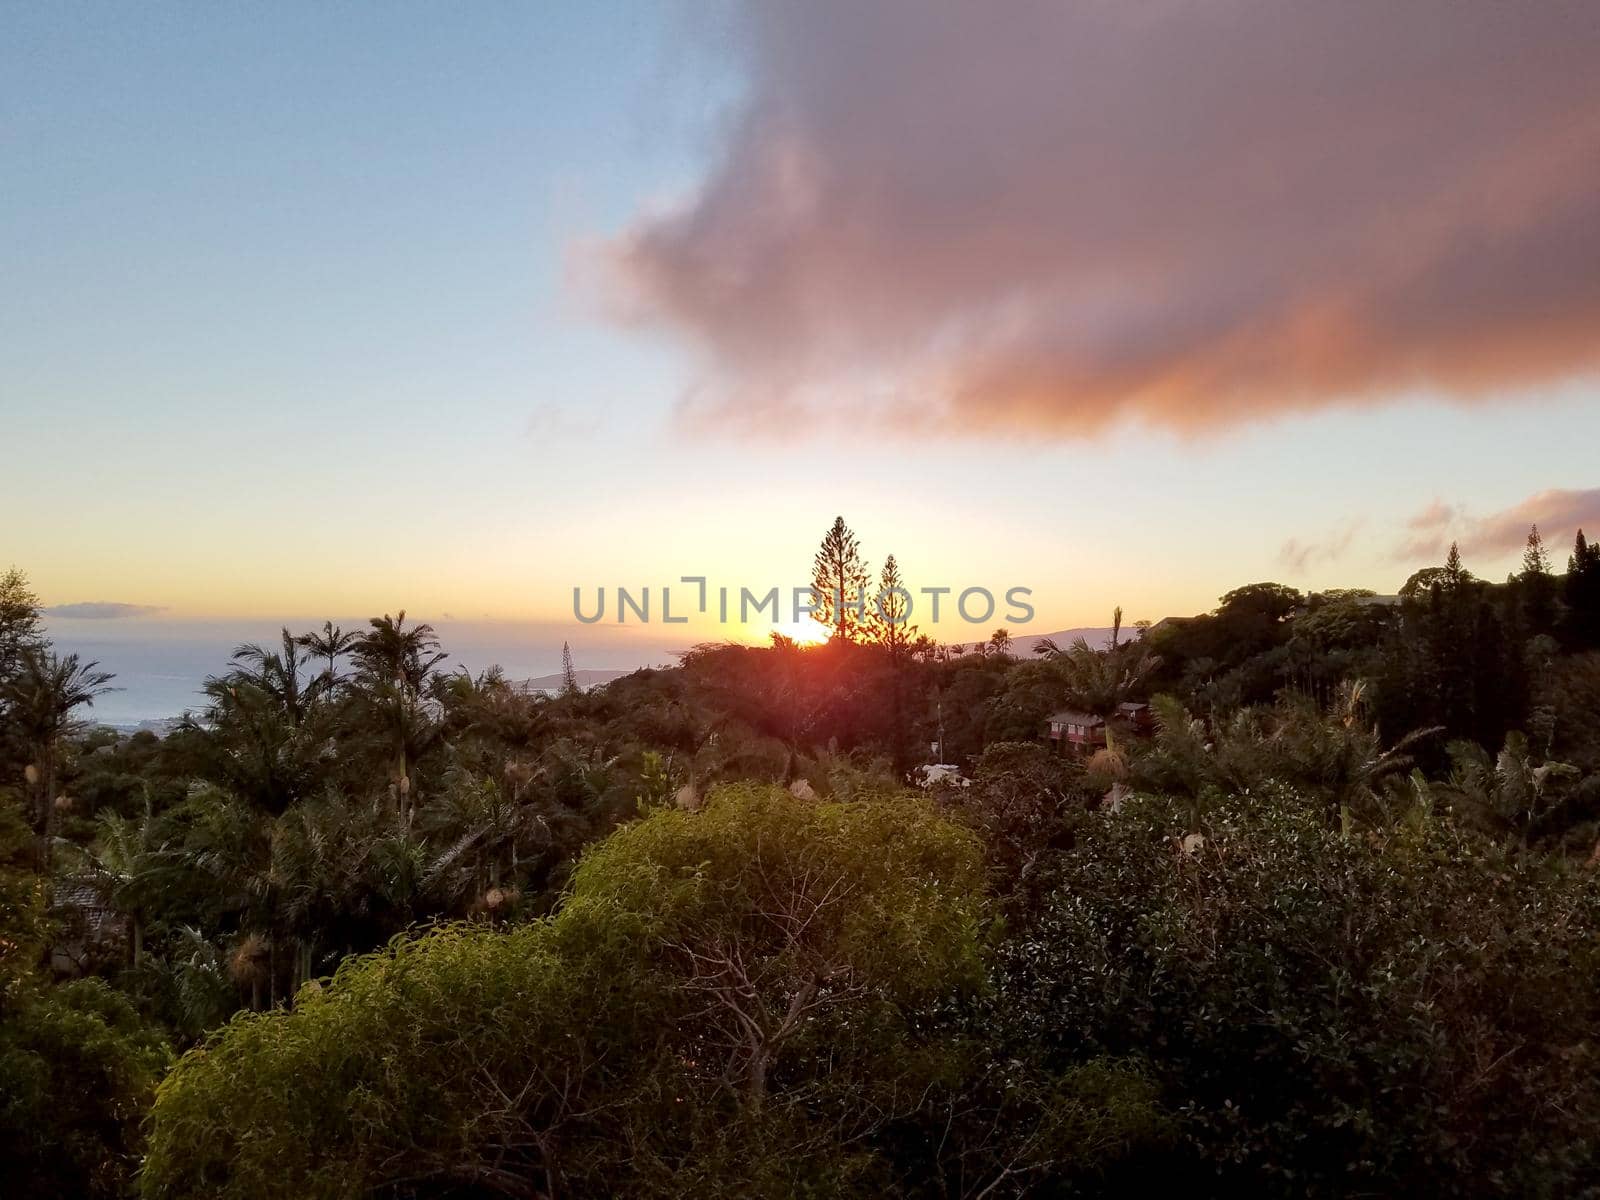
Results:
1044 218
1559 513
1299 555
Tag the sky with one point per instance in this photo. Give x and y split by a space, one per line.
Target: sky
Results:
314 310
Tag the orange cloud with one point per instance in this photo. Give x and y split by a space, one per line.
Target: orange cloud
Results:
1044 219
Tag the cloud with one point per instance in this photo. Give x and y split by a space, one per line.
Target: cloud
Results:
1426 540
1559 513
101 610
1043 219
1298 556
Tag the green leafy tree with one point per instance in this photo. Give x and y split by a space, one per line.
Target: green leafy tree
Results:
1332 1015
722 1007
77 1065
21 625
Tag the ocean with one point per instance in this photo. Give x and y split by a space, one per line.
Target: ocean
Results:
160 665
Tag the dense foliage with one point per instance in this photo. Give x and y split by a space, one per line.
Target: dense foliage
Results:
1324 924
723 999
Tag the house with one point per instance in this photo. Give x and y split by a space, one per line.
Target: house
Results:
1137 717
89 929
1077 732
1084 733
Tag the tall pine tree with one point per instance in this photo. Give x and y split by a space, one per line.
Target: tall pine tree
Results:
1583 594
889 621
569 677
1535 559
839 583
889 624
1536 587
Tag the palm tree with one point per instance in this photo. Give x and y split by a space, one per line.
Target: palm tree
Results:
277 675
131 856
1097 681
227 847
1340 751
1510 792
391 653
331 644
395 664
1335 754
267 737
40 699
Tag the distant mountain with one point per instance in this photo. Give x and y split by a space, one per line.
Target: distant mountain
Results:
586 680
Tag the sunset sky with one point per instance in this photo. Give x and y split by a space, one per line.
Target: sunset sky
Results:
328 310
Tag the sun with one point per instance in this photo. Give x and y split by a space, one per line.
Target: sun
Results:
805 632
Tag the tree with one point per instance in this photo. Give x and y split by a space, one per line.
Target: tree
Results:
276 673
391 653
1097 681
77 1069
21 628
1535 559
1536 586
569 677
889 626
77 1066
1447 578
395 664
775 912
1266 602
1244 937
1583 593
265 736
889 620
723 1003
331 645
1455 575
1510 792
40 699
839 582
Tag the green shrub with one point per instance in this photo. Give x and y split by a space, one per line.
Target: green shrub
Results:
77 1068
1328 1015
720 1008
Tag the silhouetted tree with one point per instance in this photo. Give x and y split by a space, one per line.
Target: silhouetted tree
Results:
1535 559
839 581
331 644
1583 593
1536 586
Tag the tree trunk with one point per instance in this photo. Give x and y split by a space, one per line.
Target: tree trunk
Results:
756 1080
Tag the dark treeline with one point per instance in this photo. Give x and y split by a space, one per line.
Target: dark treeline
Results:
1324 924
